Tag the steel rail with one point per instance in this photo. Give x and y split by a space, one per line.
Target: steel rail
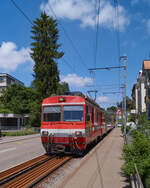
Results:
19 169
34 175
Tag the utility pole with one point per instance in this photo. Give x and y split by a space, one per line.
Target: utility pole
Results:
124 93
124 85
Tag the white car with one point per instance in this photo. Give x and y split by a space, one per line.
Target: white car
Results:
119 125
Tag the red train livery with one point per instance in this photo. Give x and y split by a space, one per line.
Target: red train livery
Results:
70 122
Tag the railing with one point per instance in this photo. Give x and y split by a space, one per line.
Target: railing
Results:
136 179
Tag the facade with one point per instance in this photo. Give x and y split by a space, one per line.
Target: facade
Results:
139 94
134 97
7 80
9 121
141 90
146 74
12 121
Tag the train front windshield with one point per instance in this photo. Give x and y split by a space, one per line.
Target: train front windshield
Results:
73 113
51 113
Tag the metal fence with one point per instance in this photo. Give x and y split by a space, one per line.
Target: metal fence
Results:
136 179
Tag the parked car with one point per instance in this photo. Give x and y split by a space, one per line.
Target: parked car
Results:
119 125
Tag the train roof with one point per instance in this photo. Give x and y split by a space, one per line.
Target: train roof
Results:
71 97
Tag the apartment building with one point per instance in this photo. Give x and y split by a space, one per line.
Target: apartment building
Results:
146 74
7 80
9 121
141 90
134 97
139 93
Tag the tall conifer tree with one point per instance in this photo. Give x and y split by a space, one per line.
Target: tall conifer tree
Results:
45 53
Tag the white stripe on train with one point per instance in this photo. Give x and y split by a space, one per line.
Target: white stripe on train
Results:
64 131
53 104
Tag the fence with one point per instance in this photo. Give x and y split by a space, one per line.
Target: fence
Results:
136 180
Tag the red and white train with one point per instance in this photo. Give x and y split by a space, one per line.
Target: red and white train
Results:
70 122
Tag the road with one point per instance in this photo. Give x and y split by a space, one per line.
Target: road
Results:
14 153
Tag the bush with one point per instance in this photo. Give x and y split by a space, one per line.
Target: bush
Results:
127 128
139 153
19 133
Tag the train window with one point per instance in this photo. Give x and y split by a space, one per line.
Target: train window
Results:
97 117
51 113
73 113
87 109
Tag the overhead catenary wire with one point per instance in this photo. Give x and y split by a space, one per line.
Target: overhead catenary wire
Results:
22 12
97 31
97 21
68 37
31 22
117 30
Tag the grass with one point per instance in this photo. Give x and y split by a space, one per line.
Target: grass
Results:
19 132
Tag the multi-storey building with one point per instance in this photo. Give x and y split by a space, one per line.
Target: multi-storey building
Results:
146 74
139 93
134 97
9 121
7 80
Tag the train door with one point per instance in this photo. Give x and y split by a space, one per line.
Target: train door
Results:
101 123
87 118
92 120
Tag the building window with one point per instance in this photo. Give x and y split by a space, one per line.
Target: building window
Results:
2 79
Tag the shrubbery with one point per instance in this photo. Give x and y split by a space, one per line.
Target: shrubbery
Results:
19 133
138 152
127 128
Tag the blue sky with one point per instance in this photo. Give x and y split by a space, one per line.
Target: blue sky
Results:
78 19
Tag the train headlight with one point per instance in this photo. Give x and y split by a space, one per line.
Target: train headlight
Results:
78 133
61 99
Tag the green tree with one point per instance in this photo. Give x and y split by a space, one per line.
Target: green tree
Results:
112 109
129 104
138 152
62 87
17 99
45 53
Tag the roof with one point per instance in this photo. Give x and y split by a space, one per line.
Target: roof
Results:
146 64
13 78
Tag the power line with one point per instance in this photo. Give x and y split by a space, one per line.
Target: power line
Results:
117 32
97 30
69 65
117 28
22 12
68 37
30 21
106 68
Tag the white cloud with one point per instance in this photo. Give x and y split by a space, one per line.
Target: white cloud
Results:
84 10
11 58
76 81
101 99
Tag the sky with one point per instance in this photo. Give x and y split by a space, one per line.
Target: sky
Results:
77 35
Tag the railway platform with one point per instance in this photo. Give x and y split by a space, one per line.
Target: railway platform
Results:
101 167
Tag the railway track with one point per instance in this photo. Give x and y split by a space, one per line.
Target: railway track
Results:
31 172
